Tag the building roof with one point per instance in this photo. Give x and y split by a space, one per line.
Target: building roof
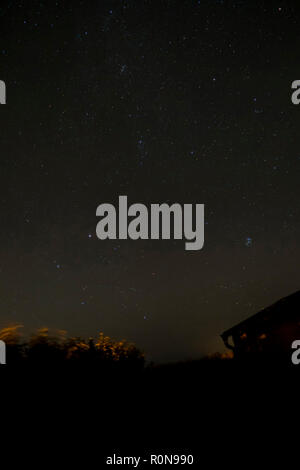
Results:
284 310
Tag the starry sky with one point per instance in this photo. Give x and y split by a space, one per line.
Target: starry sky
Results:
163 101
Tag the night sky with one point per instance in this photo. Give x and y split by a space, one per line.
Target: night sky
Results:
163 101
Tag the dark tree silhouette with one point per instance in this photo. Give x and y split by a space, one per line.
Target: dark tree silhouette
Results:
45 348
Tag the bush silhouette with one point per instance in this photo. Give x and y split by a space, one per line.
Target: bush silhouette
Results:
42 347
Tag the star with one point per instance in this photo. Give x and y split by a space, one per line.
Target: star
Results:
248 242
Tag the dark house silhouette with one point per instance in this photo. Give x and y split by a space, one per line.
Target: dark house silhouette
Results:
268 332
